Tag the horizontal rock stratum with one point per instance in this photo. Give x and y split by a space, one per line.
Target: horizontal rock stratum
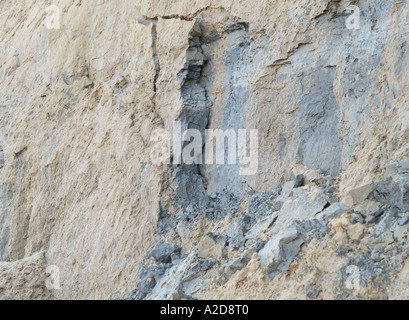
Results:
86 88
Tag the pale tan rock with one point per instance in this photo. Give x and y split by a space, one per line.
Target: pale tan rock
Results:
211 246
358 195
25 279
78 106
310 175
356 232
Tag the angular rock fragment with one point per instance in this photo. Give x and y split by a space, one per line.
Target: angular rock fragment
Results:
169 287
394 191
358 195
236 231
299 181
211 246
260 227
334 211
279 252
164 252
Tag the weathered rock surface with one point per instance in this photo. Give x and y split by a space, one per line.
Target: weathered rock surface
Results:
166 252
84 104
279 252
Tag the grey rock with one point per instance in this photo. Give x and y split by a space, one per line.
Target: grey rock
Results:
277 205
313 291
329 188
210 210
400 167
403 166
309 229
242 261
343 250
356 220
276 191
386 227
375 216
301 208
236 231
298 192
164 252
403 221
394 191
194 279
298 181
260 227
279 252
333 212
320 142
149 278
1 159
190 209
170 286
287 190
239 263
136 295
400 232
261 206
387 223
203 265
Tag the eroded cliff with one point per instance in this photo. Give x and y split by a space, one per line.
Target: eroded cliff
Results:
80 103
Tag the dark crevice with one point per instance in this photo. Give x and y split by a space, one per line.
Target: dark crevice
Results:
195 115
154 35
155 57
188 17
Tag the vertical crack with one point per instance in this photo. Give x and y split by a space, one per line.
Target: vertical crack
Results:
154 35
195 115
155 57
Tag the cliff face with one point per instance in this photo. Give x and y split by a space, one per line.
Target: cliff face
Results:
81 101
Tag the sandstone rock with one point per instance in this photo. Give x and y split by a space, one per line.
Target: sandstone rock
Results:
339 228
211 246
356 232
79 104
359 194
25 279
